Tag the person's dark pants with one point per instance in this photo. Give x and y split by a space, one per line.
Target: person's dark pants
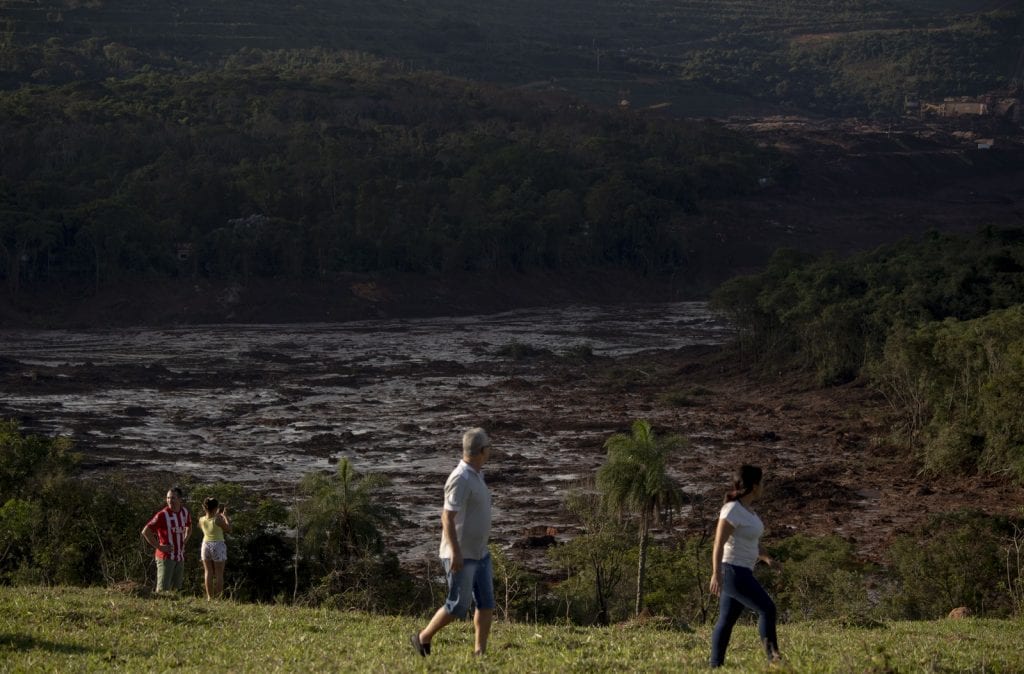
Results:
741 590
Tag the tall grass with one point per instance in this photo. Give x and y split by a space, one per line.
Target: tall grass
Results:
72 629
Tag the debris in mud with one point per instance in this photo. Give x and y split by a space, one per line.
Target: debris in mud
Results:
394 398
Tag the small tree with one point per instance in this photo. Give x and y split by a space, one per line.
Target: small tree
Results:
677 582
635 479
596 557
341 516
338 521
29 462
954 559
513 586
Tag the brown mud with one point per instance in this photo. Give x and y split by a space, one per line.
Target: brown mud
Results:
830 464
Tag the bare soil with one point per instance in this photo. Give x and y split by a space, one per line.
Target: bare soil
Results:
832 465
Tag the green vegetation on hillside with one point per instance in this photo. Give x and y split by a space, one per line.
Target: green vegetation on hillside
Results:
235 140
62 629
703 56
935 325
304 164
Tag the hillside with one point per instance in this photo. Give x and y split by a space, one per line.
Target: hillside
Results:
65 629
703 57
305 174
159 156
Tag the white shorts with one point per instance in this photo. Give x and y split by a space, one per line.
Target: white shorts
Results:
215 551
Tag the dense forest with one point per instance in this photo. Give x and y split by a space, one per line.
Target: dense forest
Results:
251 140
935 325
704 57
301 164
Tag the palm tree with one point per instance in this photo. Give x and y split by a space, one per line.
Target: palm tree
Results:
634 479
342 514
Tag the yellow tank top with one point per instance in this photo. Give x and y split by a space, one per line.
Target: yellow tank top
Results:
211 530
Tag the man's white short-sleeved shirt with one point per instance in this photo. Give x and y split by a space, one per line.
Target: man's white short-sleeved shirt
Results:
466 494
742 547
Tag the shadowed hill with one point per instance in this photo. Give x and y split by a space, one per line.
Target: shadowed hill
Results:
702 56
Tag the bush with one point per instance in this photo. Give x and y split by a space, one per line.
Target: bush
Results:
515 588
595 565
819 579
677 580
580 353
27 462
370 581
955 560
516 350
260 556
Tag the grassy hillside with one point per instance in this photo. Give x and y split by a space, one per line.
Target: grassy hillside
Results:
64 629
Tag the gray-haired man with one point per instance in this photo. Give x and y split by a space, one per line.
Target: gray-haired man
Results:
466 527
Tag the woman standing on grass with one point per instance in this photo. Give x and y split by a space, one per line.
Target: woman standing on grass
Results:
214 551
737 550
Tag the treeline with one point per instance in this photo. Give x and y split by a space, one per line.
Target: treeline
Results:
864 72
302 164
325 545
936 325
839 57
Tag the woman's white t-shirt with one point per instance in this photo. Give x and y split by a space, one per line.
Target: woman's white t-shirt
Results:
742 547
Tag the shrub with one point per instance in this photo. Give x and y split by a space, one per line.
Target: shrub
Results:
678 580
583 353
366 581
954 560
261 557
514 588
819 578
28 461
595 562
678 399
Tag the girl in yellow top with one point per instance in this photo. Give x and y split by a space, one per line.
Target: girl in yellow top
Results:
214 551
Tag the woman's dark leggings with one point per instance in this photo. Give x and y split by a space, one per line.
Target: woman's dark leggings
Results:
741 590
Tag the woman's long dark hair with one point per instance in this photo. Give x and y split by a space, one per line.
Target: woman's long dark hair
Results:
747 477
211 504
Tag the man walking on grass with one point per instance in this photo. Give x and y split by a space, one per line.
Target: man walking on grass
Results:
465 528
167 533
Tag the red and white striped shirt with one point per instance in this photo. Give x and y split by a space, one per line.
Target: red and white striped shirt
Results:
170 529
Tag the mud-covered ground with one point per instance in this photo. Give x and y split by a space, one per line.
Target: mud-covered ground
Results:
265 404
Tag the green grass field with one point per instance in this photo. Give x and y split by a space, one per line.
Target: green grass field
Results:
71 629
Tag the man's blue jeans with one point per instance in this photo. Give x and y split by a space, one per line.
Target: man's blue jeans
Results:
741 590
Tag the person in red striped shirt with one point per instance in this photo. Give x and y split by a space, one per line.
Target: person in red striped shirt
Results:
167 533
